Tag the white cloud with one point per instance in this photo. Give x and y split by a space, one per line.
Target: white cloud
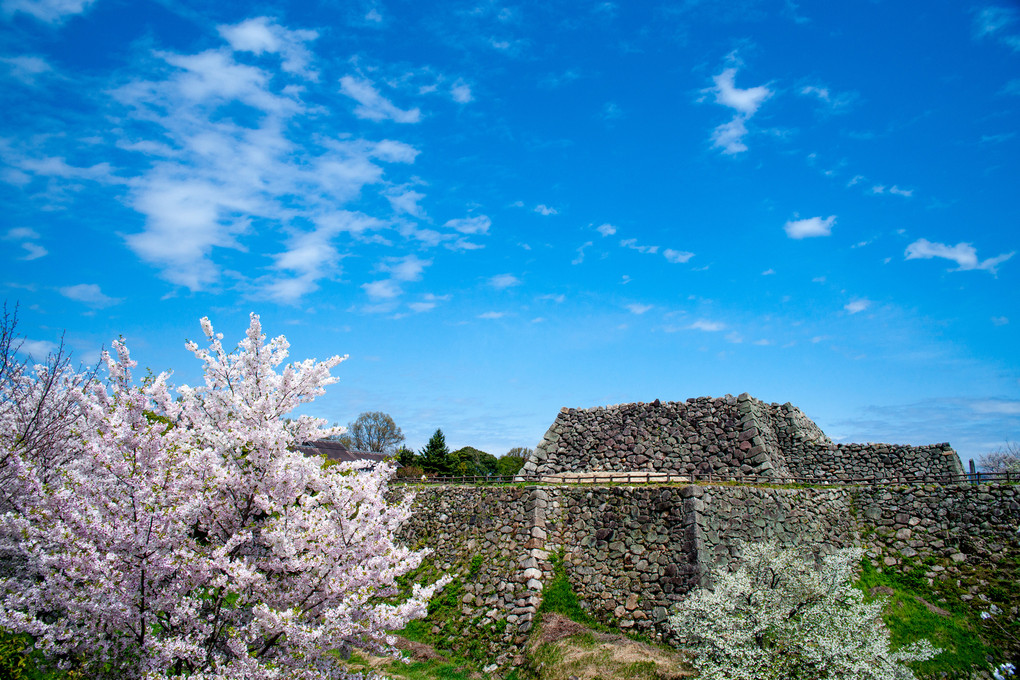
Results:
996 22
26 68
611 111
37 349
730 136
492 315
504 281
543 209
262 34
638 308
857 306
834 103
705 325
382 290
746 101
21 234
407 268
963 254
422 306
470 225
553 298
374 16
606 229
810 227
461 93
768 272
991 20
50 11
580 253
88 293
633 245
1000 320
896 191
856 179
372 105
33 251
405 201
763 342
677 256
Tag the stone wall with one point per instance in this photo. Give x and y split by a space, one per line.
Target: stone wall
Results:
947 527
729 437
629 552
633 552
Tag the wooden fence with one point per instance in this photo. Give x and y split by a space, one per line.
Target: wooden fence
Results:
650 477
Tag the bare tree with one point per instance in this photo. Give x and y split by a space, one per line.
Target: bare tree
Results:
373 431
1005 459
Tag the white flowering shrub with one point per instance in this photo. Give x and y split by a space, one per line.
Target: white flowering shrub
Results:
781 617
185 536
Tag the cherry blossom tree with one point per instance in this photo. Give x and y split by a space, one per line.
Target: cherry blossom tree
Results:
187 537
780 616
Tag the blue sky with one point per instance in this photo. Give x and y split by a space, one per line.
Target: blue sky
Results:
498 210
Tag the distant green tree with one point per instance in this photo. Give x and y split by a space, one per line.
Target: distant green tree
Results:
509 465
469 461
407 457
373 431
519 452
435 457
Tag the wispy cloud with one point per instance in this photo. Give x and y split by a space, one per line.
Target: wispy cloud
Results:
706 325
470 225
810 227
638 308
963 254
401 270
374 106
1000 320
263 35
26 238
580 253
37 349
90 294
492 315
504 281
832 101
606 229
461 92
543 209
49 11
857 306
997 23
26 68
677 256
730 136
633 245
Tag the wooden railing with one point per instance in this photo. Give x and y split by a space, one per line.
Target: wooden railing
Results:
651 477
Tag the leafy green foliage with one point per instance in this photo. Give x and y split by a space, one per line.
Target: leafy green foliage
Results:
509 465
470 462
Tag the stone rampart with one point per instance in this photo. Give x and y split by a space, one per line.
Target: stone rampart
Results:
729 437
631 552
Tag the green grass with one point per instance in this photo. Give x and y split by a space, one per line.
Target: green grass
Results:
908 620
419 670
558 596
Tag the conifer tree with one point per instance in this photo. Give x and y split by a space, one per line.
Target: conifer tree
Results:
435 457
